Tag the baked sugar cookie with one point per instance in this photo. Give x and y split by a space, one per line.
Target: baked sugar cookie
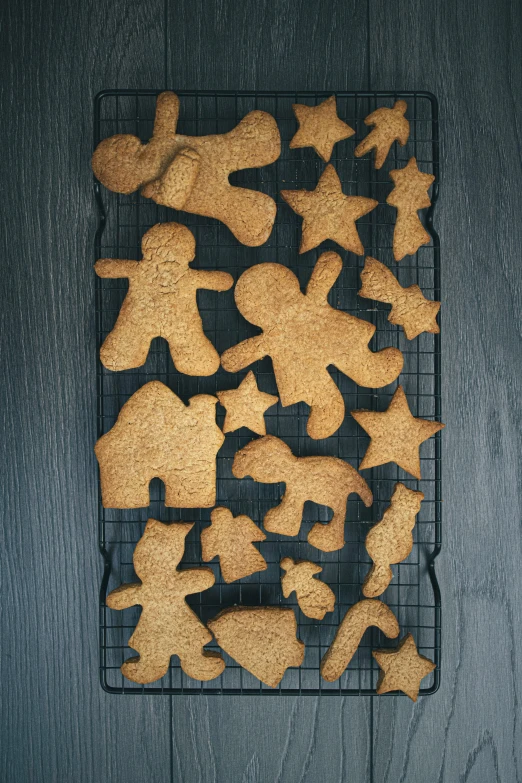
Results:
246 406
409 195
314 597
320 127
402 669
231 539
389 125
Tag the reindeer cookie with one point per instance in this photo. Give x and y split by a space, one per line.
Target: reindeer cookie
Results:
410 308
304 335
390 540
324 480
231 538
157 436
314 597
390 125
161 302
191 172
167 626
409 195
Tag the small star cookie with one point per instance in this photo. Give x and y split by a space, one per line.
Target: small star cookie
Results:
402 669
328 214
230 538
410 308
390 125
246 406
395 435
409 195
320 128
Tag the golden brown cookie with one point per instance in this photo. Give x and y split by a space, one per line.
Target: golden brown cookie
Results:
314 597
157 436
167 626
328 214
324 480
319 127
390 125
357 619
304 335
161 302
395 435
246 406
230 538
410 309
390 540
402 668
192 172
262 639
409 195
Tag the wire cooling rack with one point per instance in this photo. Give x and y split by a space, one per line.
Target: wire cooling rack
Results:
413 594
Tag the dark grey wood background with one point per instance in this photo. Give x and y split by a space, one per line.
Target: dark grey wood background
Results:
56 722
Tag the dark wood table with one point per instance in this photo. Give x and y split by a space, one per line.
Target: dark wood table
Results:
57 723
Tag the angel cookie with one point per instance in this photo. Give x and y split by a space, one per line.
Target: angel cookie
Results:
304 335
192 172
161 302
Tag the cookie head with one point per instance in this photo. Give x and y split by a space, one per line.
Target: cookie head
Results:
169 242
262 459
264 291
116 163
157 550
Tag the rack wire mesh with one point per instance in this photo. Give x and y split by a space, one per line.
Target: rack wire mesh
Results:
413 594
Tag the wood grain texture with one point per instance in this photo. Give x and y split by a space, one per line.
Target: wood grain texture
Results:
56 722
468 54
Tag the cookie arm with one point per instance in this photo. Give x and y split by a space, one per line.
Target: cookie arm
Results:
124 596
325 273
214 281
243 354
167 112
115 267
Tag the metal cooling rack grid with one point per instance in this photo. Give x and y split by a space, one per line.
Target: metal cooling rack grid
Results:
413 594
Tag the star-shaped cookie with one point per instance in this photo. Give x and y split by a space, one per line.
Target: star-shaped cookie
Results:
402 668
320 128
395 435
246 406
328 214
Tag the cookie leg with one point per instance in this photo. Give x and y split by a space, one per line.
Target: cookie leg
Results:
248 214
286 518
326 412
144 668
203 665
194 354
373 370
125 347
330 537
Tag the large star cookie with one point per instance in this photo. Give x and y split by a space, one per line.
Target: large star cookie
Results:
328 214
395 435
320 127
246 406
402 669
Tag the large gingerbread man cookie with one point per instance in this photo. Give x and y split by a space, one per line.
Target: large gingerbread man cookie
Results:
192 172
304 335
161 302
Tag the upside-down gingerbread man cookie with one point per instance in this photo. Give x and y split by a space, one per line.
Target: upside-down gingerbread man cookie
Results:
410 308
192 172
408 196
390 125
304 335
314 597
167 626
324 480
319 127
231 539
390 541
161 302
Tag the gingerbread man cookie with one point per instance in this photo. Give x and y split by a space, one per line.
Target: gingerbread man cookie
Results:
410 308
390 125
402 669
319 127
246 406
390 540
324 480
167 626
328 214
161 302
191 173
157 436
314 597
304 335
409 195
395 435
231 539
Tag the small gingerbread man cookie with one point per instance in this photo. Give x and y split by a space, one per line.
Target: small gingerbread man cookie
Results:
390 125
246 406
230 538
409 195
314 597
320 127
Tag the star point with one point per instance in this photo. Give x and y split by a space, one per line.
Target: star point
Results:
396 435
328 214
246 406
320 127
402 669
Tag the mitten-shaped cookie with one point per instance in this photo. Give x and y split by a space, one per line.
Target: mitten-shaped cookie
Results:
304 335
167 626
161 302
